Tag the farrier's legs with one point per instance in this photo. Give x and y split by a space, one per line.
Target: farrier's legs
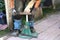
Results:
31 23
17 24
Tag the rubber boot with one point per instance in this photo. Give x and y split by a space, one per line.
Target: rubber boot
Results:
17 26
31 24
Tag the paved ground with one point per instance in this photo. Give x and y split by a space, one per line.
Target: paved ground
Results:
48 27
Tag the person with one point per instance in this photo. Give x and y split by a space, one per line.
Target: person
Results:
31 17
16 23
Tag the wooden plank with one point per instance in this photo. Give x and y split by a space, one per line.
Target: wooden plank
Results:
24 13
30 5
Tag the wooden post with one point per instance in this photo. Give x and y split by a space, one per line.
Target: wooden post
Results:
8 14
53 4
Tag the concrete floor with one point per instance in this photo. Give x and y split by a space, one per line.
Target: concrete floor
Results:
48 28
